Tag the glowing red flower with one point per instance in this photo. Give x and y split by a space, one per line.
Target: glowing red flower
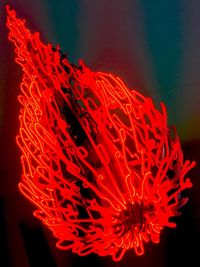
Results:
99 161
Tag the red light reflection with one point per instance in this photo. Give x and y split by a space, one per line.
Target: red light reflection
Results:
99 161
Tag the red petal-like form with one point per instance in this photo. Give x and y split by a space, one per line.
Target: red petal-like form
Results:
99 161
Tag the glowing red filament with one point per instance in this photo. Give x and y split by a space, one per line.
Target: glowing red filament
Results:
99 161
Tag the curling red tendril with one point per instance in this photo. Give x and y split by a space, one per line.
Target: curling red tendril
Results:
99 161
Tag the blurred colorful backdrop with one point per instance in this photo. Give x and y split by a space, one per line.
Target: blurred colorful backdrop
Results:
152 45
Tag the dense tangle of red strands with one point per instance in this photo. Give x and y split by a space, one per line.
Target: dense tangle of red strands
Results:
99 161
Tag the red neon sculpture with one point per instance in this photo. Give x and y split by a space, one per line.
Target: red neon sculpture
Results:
99 161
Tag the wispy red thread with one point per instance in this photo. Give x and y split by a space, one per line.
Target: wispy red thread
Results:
99 161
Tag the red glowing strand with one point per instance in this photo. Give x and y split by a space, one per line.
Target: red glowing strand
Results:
99 161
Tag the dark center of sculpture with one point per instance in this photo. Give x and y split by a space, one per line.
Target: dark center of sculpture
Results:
134 218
